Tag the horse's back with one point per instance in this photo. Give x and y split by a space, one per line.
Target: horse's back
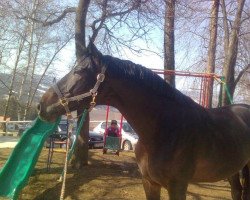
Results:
242 111
233 112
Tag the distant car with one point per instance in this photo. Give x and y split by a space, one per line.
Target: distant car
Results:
23 127
95 140
11 127
129 137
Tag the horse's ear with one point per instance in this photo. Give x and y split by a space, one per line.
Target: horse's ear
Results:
94 54
93 51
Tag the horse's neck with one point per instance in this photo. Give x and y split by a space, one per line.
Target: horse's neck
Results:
141 107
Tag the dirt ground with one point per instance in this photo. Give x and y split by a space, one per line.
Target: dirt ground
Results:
107 177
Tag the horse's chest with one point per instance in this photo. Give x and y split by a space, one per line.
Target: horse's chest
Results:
161 167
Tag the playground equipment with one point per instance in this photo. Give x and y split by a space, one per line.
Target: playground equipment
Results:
59 138
201 86
55 139
110 142
15 174
18 168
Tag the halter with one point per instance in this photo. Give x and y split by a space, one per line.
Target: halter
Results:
64 101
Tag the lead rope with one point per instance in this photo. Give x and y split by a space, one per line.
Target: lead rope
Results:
64 102
65 169
69 153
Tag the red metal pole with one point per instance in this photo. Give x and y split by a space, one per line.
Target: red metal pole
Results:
205 94
207 91
107 117
183 73
121 123
205 80
203 91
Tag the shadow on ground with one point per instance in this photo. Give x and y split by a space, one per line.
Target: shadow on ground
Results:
106 177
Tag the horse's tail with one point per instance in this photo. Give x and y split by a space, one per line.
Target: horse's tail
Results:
245 183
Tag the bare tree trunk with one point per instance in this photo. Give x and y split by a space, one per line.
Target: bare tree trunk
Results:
31 25
225 27
81 14
24 78
28 103
169 60
80 157
81 153
231 55
212 48
11 87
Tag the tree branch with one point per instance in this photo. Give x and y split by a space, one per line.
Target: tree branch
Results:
54 21
225 26
241 74
106 15
47 67
4 84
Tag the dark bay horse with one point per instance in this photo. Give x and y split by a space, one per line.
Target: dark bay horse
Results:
179 141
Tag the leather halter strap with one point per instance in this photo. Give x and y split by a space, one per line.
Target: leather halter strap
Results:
64 101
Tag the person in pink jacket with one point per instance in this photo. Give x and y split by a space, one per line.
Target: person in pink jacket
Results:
113 130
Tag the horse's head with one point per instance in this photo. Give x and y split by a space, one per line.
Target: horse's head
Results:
75 89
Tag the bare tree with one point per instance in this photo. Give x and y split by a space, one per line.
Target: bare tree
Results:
106 17
192 37
212 48
11 87
41 45
80 157
169 40
31 27
231 51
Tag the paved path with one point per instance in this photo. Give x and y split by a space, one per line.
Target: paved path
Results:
8 141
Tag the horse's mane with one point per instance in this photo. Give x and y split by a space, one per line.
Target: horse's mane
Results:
145 77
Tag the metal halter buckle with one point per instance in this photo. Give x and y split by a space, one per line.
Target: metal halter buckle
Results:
100 77
93 92
64 101
93 103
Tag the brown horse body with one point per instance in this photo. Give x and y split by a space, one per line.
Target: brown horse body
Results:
179 141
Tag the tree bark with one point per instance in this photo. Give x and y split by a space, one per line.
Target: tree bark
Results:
231 56
30 31
81 15
20 49
29 102
225 26
169 59
212 48
80 157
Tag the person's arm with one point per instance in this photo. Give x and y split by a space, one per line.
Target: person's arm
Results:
118 132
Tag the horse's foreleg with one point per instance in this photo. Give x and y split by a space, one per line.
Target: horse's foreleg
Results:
245 183
236 188
177 190
152 190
